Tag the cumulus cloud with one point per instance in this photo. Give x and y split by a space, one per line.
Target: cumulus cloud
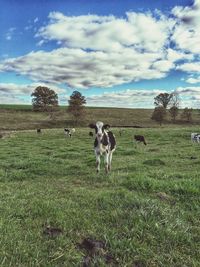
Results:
131 98
193 80
186 34
193 67
95 54
127 98
82 69
190 96
102 32
24 89
104 51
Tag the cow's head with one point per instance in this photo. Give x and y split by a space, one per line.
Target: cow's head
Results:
99 128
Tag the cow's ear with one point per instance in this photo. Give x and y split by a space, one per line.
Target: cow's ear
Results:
106 126
92 125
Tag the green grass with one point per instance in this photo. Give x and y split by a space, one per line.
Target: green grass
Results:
49 179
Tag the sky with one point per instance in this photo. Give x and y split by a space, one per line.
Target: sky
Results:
117 53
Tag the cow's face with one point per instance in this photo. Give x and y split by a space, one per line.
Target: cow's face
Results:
99 129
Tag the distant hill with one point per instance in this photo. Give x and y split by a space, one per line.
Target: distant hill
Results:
17 117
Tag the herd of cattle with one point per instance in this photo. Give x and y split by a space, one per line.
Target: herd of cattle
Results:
105 142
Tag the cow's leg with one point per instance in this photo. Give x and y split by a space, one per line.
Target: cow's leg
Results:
110 160
98 161
106 162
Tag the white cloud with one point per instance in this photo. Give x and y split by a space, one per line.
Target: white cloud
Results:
193 80
81 69
127 99
95 54
103 51
193 67
190 96
102 32
131 98
187 31
24 89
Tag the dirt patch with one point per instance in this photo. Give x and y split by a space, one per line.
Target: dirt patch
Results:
96 248
164 197
52 231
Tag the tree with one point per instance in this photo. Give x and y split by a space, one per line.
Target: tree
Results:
187 114
163 100
173 111
76 105
44 99
175 100
159 114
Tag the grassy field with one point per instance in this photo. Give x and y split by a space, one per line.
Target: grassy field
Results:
18 117
144 213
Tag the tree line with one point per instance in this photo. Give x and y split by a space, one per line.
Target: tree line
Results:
169 103
46 100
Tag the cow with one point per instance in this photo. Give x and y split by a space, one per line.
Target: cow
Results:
39 130
140 138
73 130
104 143
67 132
91 134
195 137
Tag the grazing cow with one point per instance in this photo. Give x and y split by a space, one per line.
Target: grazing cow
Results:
67 132
104 143
91 134
140 138
195 137
39 130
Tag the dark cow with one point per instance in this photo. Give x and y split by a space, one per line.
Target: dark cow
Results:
140 138
91 134
104 143
39 130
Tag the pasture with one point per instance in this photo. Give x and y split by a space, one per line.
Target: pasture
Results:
145 212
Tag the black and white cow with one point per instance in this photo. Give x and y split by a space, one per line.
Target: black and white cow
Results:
195 137
104 143
67 132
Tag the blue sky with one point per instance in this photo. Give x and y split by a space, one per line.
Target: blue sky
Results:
117 53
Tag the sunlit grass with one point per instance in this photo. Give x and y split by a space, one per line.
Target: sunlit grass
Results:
146 209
